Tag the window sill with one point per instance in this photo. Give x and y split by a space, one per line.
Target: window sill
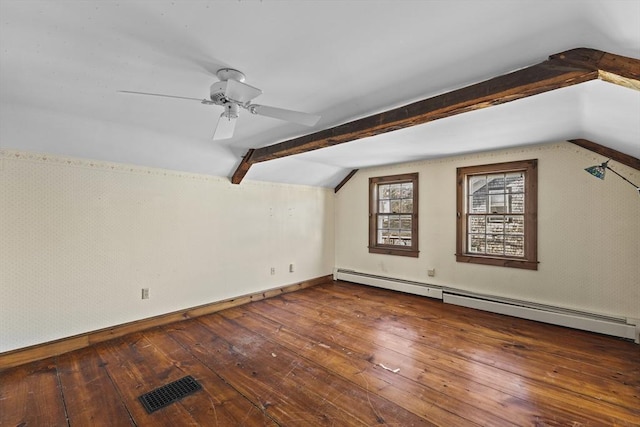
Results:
498 262
394 251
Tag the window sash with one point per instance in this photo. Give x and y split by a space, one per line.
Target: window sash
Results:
491 234
394 229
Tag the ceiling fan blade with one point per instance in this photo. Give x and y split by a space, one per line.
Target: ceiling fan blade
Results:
240 92
160 94
287 115
225 127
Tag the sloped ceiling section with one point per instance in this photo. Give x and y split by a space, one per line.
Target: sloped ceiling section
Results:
559 71
63 63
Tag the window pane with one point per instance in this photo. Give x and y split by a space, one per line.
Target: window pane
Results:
394 221
389 222
495 244
478 203
394 192
476 224
405 237
383 221
407 206
495 224
384 237
476 244
496 203
477 184
516 203
395 206
405 223
383 191
407 190
515 182
514 224
384 206
396 236
514 245
495 183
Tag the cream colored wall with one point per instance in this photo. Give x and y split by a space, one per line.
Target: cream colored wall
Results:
588 237
79 239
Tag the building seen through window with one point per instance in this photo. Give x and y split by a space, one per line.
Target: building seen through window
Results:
496 214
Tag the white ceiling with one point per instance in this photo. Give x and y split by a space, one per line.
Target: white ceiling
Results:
62 64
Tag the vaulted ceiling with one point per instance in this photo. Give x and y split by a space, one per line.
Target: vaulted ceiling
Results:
63 63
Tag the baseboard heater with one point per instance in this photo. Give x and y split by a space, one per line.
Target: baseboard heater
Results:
615 326
407 286
548 314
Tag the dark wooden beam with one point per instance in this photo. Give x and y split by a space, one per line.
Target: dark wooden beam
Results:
544 77
344 181
610 153
560 70
243 167
616 69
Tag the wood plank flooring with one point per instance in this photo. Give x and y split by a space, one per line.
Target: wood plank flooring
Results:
338 355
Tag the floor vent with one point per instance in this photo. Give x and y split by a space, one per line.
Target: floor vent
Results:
167 394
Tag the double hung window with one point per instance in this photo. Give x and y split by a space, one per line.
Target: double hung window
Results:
393 215
497 213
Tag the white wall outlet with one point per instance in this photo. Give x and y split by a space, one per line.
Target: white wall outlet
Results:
273 271
145 293
291 268
431 272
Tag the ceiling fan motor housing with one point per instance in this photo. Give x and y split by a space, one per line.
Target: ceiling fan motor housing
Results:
217 93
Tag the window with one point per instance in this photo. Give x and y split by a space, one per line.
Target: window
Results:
497 214
393 215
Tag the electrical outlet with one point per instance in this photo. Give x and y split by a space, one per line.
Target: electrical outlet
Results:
291 268
145 293
431 272
273 271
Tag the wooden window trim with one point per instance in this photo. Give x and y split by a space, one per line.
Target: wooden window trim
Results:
530 260
376 248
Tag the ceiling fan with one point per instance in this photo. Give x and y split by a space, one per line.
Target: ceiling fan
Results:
232 93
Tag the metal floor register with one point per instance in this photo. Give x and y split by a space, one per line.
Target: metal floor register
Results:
167 394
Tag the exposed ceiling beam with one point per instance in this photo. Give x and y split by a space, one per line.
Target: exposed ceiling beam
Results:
243 167
615 69
560 70
625 159
345 180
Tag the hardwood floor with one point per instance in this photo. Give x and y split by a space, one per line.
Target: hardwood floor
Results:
338 354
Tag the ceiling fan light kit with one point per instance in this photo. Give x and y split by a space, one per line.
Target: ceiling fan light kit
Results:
226 123
232 93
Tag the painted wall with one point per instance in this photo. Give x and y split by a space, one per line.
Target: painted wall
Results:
79 239
588 232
